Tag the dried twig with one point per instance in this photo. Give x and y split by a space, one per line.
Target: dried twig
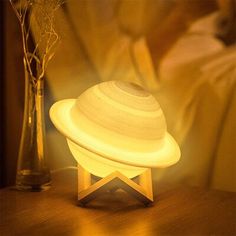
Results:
42 11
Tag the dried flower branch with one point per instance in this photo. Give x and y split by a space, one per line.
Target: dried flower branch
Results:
42 13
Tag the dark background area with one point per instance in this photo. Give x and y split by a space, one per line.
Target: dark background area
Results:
1 93
12 85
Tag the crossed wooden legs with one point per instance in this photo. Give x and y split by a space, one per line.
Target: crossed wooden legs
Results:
87 191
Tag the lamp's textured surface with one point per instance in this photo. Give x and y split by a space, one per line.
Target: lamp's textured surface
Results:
117 125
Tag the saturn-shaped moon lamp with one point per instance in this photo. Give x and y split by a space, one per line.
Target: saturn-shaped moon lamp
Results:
116 131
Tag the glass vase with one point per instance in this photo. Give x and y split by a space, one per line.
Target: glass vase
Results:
33 173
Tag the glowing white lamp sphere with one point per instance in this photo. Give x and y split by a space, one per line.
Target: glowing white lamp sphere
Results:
115 126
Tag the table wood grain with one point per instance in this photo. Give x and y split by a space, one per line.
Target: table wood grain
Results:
177 211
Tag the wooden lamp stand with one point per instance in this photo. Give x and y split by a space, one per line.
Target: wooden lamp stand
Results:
88 191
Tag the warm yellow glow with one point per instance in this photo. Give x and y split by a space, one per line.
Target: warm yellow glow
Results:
166 156
115 126
99 166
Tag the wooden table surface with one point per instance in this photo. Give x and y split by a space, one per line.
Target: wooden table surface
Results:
176 211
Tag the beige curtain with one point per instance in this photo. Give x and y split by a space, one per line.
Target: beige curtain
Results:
195 81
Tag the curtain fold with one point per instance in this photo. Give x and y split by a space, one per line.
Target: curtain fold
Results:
194 81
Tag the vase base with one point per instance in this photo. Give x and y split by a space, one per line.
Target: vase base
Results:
33 188
27 180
